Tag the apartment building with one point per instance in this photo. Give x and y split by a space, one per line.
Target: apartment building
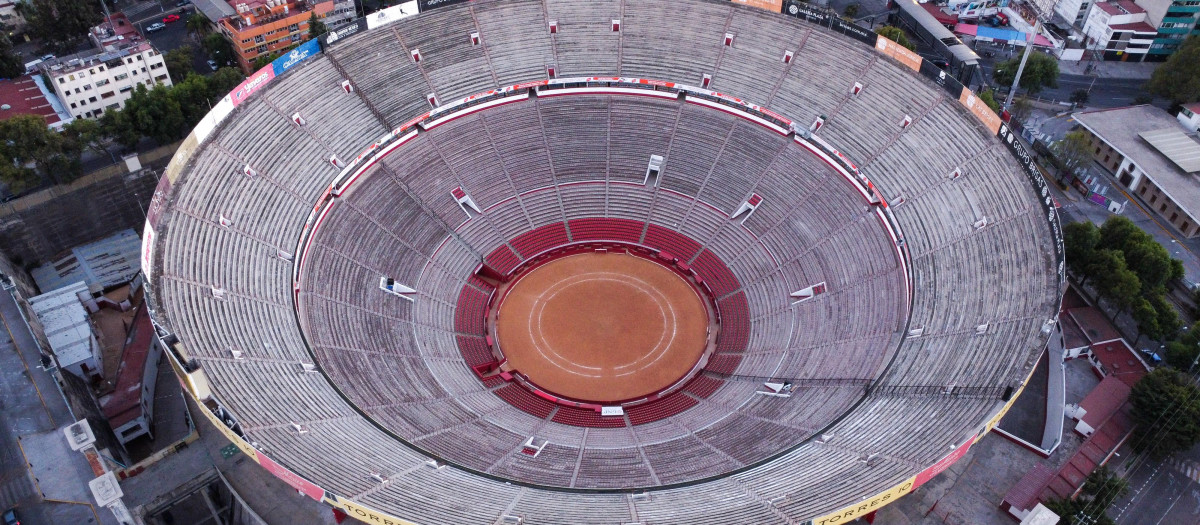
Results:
261 27
90 83
1139 30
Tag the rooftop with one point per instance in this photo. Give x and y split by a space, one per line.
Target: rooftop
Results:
107 262
1194 107
1121 7
214 10
65 322
24 97
124 404
92 57
1136 27
1104 400
1121 128
115 31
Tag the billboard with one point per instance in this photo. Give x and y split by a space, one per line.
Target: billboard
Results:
990 120
900 53
942 465
361 513
355 27
867 506
289 477
774 6
1038 183
425 5
386 16
251 85
297 55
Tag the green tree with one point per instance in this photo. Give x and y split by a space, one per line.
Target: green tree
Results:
895 34
1182 352
155 115
1168 318
1041 71
1021 108
194 98
223 81
1179 78
198 25
315 26
1080 240
851 10
10 63
1073 152
37 153
60 24
1114 280
989 97
179 63
90 134
1141 252
1166 413
1080 96
219 48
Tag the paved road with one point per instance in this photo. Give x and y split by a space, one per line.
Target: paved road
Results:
29 403
1162 493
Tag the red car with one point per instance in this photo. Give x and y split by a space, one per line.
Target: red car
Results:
170 18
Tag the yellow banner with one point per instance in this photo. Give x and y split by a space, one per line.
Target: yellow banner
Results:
868 506
364 514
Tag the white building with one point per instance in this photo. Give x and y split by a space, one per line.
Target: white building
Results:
1118 28
88 84
69 330
1189 116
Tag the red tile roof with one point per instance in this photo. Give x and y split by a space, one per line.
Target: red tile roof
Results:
1120 7
1104 400
125 402
25 98
1094 324
1119 361
1136 27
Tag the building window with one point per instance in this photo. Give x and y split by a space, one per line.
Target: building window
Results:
1097 150
139 57
1184 227
101 82
91 99
1153 199
109 94
126 89
72 105
258 39
1142 191
293 28
62 80
1174 216
129 60
295 38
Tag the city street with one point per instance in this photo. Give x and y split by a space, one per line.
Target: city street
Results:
1161 493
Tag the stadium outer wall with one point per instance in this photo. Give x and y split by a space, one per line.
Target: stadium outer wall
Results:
197 384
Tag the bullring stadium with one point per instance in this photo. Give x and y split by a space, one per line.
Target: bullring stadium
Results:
548 261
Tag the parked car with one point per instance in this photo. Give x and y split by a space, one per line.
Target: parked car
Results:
182 3
10 517
170 18
212 64
157 26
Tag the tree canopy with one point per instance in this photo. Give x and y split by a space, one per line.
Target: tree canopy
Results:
895 34
1073 151
60 24
179 63
10 63
1166 413
1182 352
1178 79
1041 71
31 153
315 26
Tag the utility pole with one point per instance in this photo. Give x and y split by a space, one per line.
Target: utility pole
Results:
1037 26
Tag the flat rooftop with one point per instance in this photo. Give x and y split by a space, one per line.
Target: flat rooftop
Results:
1122 127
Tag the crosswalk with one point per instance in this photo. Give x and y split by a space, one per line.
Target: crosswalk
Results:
1188 468
137 9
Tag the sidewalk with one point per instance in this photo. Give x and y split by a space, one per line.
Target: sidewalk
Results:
1114 69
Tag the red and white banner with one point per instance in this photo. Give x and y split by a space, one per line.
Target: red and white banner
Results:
291 478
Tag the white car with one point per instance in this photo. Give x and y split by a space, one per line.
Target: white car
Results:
157 26
212 64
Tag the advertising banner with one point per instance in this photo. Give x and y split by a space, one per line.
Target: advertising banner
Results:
811 13
425 5
854 31
355 27
941 466
867 506
301 53
989 118
361 513
1034 176
774 6
386 16
940 77
900 53
297 482
251 85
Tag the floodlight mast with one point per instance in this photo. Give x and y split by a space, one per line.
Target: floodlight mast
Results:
1037 28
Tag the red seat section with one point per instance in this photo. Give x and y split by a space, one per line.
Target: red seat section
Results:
723 363
541 239
680 246
604 229
586 417
471 312
660 409
735 324
516 395
475 281
720 280
703 386
474 350
502 259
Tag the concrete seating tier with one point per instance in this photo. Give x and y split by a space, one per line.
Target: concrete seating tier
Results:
581 161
